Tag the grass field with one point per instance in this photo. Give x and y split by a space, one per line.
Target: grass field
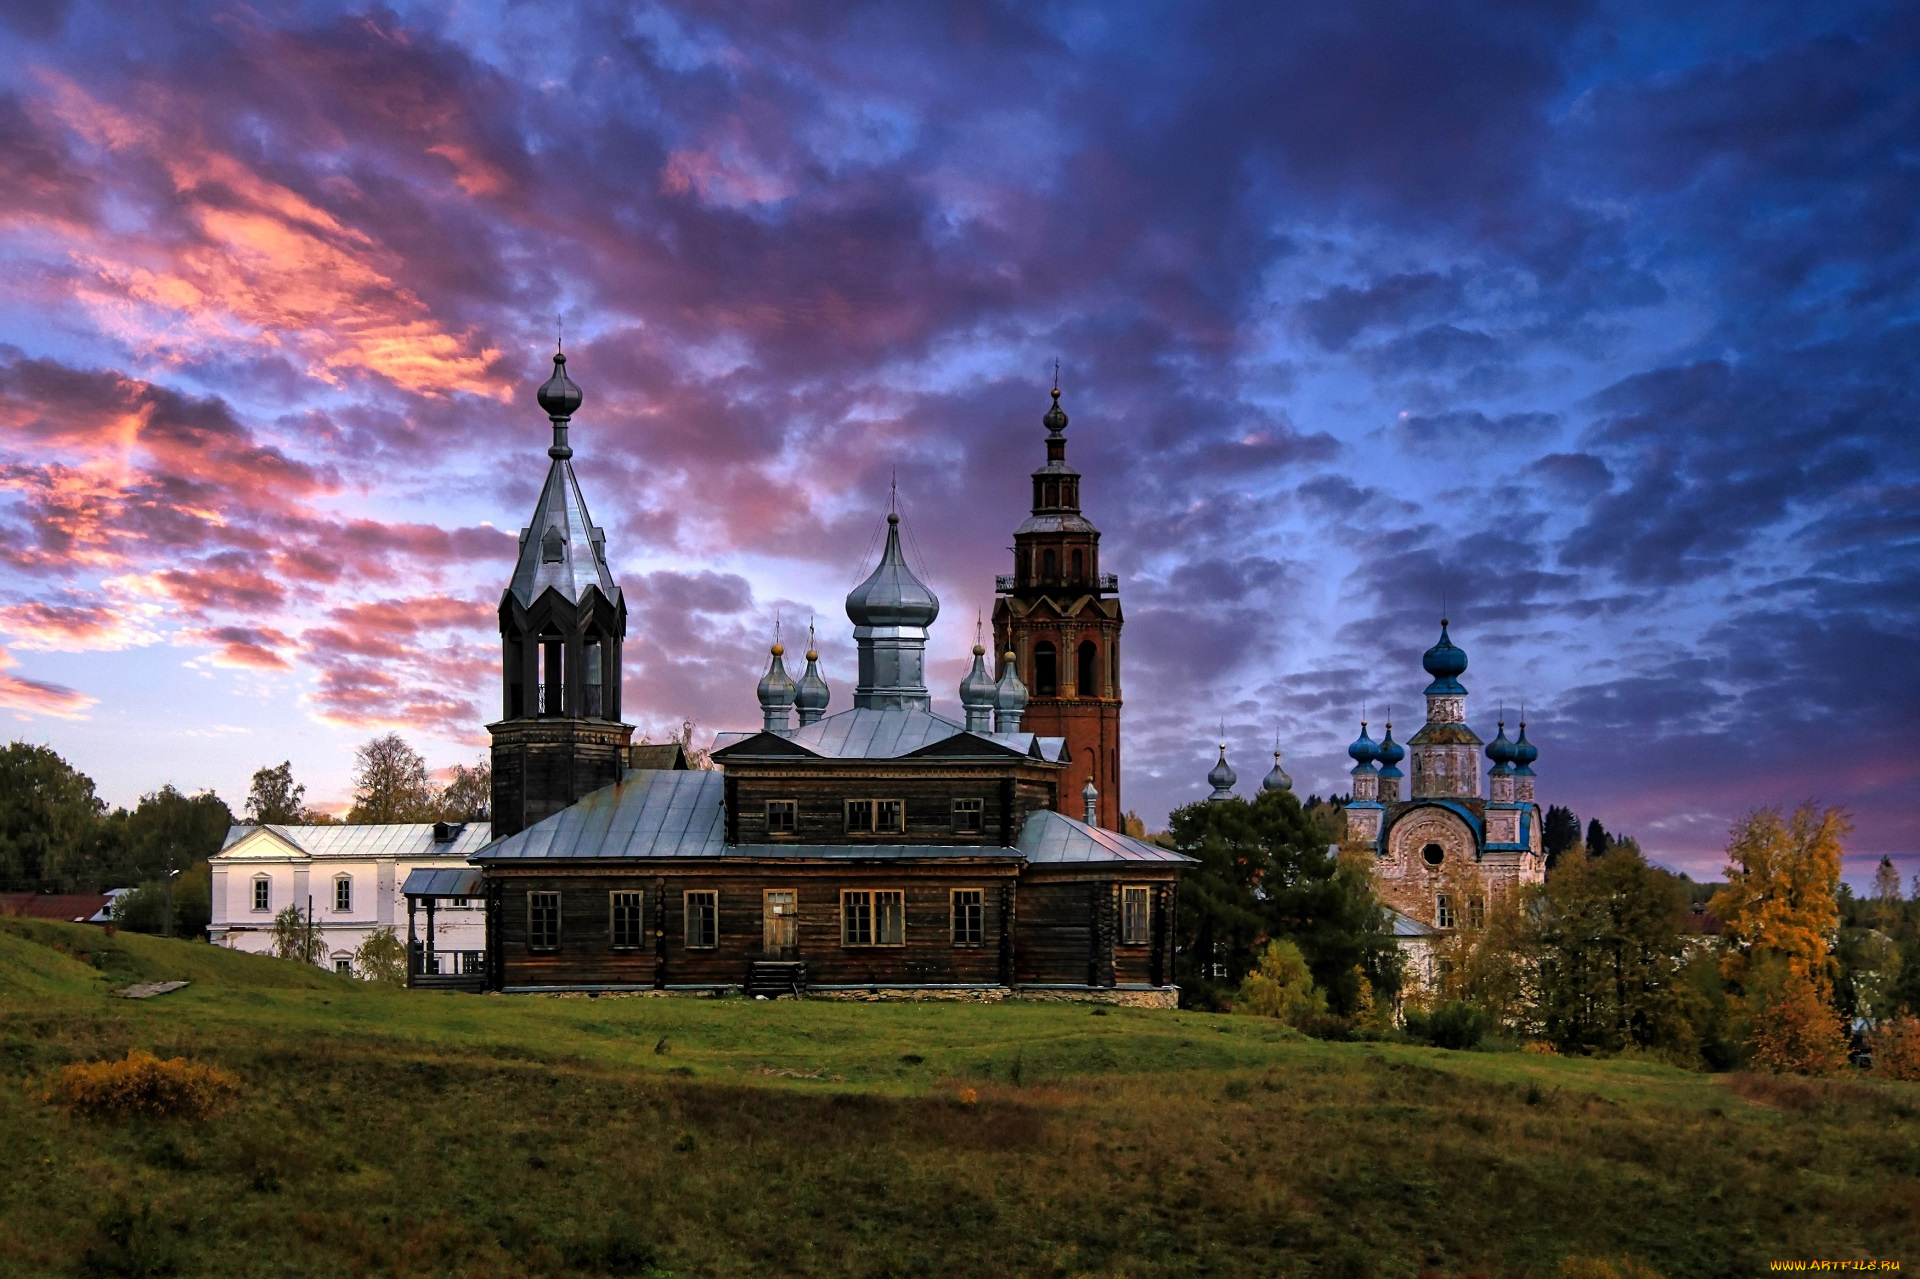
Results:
381 1132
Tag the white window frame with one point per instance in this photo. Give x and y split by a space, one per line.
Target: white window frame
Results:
687 917
637 922
343 887
1136 915
1442 911
262 894
343 966
974 915
535 901
873 917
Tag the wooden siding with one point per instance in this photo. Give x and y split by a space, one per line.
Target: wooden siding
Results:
819 789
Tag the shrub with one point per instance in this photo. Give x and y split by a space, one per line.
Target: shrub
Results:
143 1086
1896 1047
1282 987
1456 1024
382 957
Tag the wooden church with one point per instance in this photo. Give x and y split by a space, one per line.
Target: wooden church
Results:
880 850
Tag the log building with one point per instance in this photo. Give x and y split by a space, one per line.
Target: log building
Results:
880 850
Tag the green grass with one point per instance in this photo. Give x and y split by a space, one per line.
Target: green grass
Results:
388 1133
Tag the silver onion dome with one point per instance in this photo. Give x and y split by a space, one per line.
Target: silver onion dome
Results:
1009 696
811 694
978 694
1221 777
776 690
892 595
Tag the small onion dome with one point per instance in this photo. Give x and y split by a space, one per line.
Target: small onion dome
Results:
892 595
1446 662
1390 753
1277 780
1364 750
1056 418
776 687
978 688
1090 802
1009 695
811 694
1221 777
1501 752
1524 752
559 396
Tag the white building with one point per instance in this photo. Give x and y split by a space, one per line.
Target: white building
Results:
351 878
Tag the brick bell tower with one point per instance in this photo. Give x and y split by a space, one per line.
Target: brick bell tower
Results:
1059 615
562 620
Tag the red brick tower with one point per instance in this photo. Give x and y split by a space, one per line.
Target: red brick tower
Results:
1060 617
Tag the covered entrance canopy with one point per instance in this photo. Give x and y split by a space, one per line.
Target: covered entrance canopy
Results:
427 968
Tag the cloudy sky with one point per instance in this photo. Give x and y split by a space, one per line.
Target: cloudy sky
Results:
1595 320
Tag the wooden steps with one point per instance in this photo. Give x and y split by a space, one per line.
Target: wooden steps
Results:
775 977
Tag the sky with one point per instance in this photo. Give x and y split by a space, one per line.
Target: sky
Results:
1593 324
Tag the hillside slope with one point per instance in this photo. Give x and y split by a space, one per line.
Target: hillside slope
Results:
383 1132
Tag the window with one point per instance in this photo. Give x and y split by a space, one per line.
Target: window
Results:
458 903
1476 912
873 917
969 816
543 921
783 815
703 920
1089 685
594 675
343 893
1048 569
876 816
969 917
1079 566
1433 854
1442 911
1046 670
628 931
553 547
1136 913
344 967
262 893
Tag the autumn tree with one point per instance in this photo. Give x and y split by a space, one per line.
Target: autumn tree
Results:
1780 911
295 938
390 784
468 794
382 957
49 818
1281 986
1886 891
275 798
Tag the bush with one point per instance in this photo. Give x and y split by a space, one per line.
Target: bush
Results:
1456 1024
143 1086
1282 988
1896 1047
382 957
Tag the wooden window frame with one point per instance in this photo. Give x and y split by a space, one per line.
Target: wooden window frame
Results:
868 900
262 901
343 966
1144 935
636 922
977 915
1476 911
977 825
1442 911
873 827
343 886
536 899
686 918
791 808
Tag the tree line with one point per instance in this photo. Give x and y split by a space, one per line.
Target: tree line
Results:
58 836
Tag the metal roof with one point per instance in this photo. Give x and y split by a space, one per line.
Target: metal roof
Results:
442 881
649 813
579 549
1049 837
408 839
894 733
1407 926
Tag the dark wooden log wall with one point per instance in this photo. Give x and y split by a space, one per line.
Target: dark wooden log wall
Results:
820 789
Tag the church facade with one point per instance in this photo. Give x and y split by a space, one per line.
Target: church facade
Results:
1441 848
883 850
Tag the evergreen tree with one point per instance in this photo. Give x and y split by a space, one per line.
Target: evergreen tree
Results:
1597 839
390 784
1559 833
275 798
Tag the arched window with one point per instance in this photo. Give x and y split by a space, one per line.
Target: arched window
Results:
1049 568
1089 680
1079 565
1046 673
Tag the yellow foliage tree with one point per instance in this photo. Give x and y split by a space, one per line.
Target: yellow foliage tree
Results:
1781 915
1281 987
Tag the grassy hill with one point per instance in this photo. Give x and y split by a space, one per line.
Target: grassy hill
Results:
382 1132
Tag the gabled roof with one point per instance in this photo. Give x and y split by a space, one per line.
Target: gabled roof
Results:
1407 926
76 908
407 839
892 733
442 881
651 813
1049 837
561 549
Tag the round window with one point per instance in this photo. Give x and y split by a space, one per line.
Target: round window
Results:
1434 854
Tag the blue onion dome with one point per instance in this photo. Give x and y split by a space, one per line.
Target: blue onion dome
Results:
892 595
558 395
1277 780
1390 753
776 687
978 688
1446 662
1009 694
812 693
1501 751
1524 752
1221 777
1364 749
